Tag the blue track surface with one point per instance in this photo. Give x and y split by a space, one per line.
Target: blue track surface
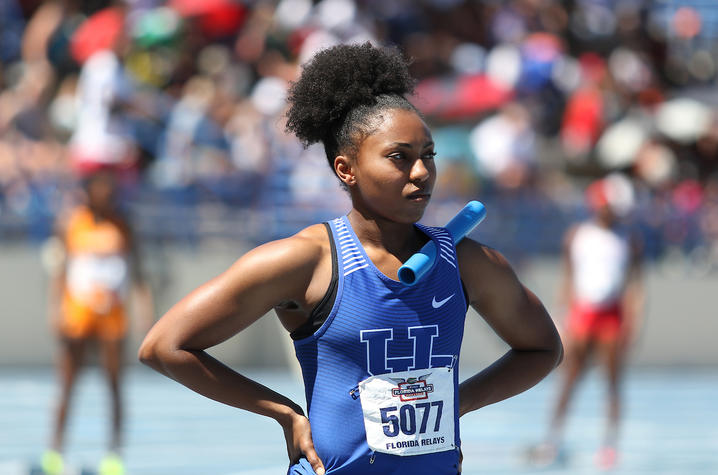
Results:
670 426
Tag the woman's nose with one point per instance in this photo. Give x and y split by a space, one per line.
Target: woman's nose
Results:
419 172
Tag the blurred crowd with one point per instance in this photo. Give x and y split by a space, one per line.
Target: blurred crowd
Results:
528 100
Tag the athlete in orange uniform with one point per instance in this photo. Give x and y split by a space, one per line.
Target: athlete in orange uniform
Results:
88 302
603 291
96 278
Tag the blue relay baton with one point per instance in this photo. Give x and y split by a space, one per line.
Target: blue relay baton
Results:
460 225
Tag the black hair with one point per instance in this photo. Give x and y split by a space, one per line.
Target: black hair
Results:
340 91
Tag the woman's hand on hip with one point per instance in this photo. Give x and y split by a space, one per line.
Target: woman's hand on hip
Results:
298 435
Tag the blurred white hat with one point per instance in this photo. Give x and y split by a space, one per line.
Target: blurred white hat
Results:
620 143
291 14
683 120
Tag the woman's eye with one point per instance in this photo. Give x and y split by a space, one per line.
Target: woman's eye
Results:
403 156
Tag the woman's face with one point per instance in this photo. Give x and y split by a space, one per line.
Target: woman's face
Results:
393 174
101 193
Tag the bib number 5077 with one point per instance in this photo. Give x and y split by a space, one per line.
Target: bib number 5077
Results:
404 418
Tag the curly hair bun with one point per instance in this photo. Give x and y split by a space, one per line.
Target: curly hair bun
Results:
339 79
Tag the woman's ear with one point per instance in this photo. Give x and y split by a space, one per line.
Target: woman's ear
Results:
344 170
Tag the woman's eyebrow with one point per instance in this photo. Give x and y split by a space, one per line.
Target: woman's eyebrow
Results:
408 145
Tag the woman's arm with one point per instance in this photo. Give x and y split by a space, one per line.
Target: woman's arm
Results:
566 290
55 258
517 316
56 267
270 274
140 291
633 298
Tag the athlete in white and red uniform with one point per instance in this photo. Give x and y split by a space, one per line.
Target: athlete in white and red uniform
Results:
599 262
603 293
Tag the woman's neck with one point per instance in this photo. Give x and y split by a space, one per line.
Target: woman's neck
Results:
399 239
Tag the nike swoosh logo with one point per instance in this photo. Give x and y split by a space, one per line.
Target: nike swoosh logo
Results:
438 304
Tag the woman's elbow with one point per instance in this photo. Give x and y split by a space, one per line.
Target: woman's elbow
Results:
151 352
559 352
551 349
146 354
557 349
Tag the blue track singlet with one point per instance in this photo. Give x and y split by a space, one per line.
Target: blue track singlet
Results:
380 374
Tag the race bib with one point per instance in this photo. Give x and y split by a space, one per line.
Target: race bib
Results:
409 412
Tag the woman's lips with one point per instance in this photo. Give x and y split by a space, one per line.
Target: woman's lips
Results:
419 196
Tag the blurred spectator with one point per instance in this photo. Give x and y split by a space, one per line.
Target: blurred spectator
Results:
175 165
584 116
12 24
706 255
504 146
101 136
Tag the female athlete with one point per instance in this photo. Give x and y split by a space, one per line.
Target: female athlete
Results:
89 299
379 359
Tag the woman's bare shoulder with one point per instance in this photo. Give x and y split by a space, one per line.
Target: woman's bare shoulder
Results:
485 271
308 245
300 253
475 254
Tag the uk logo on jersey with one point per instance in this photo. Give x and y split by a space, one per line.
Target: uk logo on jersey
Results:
421 338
